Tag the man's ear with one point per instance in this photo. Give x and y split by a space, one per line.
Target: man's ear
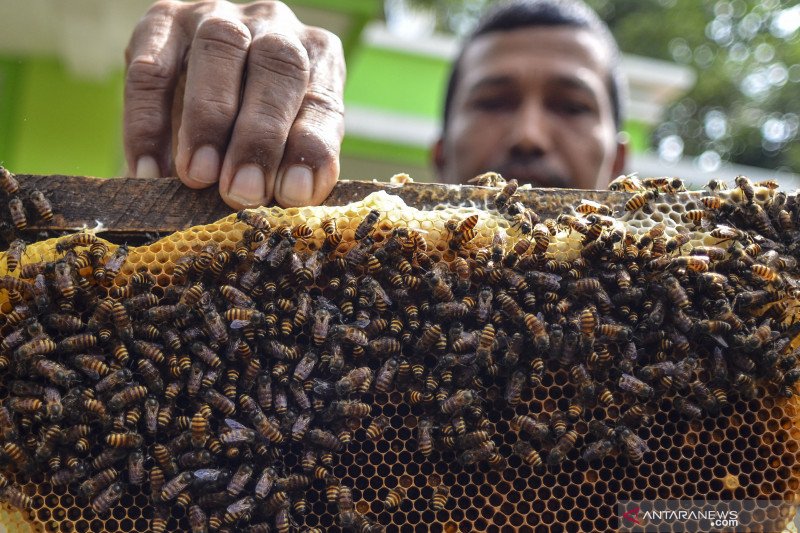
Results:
622 155
618 165
437 156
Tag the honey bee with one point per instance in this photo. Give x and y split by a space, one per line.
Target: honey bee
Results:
770 184
640 199
587 320
626 183
394 498
68 475
664 184
425 436
695 263
765 273
462 232
150 350
124 440
17 212
239 480
324 439
502 198
20 404
366 226
242 509
563 446
587 207
526 452
676 243
136 467
16 498
386 375
441 495
687 408
746 186
254 220
41 204
354 380
107 499
38 346
8 182
98 482
636 386
536 329
219 402
514 387
458 401
376 427
634 446
198 521
14 254
716 185
598 450
535 429
488 179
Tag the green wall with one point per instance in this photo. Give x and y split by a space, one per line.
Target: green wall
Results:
61 124
396 82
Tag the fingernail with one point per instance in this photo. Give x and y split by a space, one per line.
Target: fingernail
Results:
146 167
297 185
205 165
248 186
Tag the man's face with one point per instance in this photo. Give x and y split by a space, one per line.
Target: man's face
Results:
533 104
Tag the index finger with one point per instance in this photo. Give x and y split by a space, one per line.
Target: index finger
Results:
153 67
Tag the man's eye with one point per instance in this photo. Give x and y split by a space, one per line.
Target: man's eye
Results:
568 107
493 104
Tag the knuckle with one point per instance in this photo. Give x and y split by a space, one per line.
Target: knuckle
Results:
148 73
324 102
278 9
280 55
143 122
315 145
322 39
165 6
213 111
271 10
223 35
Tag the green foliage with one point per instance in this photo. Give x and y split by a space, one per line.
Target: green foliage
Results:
746 54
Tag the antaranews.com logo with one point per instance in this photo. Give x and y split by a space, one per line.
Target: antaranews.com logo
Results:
655 516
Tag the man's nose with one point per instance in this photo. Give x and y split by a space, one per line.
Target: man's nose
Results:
531 134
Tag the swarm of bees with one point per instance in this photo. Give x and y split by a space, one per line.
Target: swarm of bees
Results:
23 205
199 393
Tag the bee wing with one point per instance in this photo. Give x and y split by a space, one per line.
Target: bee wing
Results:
239 324
360 323
720 340
233 424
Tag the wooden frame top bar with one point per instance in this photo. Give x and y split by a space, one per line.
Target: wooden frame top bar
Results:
134 206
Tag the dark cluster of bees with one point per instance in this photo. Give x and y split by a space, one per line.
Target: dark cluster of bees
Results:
199 393
21 205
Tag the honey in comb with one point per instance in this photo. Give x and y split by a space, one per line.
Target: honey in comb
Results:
746 452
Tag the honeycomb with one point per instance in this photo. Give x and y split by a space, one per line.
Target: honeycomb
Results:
476 430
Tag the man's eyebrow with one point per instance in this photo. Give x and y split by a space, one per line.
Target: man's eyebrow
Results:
573 82
492 82
562 82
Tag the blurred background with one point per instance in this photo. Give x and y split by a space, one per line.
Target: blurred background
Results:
713 84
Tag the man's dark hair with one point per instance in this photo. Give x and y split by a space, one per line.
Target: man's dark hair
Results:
515 14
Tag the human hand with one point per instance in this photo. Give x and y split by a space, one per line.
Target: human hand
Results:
261 110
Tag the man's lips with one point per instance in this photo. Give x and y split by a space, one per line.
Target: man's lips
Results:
536 175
